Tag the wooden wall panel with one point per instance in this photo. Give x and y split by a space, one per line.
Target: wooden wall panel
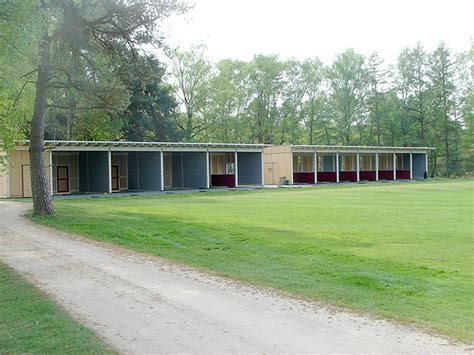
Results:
385 161
303 162
121 160
367 162
3 183
222 163
3 177
22 187
71 160
277 164
348 162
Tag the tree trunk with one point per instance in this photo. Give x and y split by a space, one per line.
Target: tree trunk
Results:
42 201
446 141
377 118
446 127
311 128
434 166
189 125
422 121
328 140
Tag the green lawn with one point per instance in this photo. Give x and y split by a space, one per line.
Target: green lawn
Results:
31 323
397 250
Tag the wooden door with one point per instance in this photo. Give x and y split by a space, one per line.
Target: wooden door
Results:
167 171
271 173
115 178
62 179
25 181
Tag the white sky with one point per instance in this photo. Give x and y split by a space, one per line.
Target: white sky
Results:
238 29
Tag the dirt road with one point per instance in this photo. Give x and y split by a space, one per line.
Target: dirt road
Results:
143 304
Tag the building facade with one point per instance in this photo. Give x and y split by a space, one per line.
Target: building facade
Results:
78 167
313 164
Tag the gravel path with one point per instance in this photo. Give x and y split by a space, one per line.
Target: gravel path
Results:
143 304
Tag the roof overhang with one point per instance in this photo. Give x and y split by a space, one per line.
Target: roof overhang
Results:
357 149
61 145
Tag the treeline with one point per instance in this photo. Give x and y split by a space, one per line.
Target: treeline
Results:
425 99
104 86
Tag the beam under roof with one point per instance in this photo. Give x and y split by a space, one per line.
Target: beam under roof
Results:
316 148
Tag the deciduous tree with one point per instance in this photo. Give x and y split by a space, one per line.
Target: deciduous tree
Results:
191 72
348 79
86 30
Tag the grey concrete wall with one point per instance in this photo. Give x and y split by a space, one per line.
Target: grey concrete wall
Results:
83 167
328 163
94 171
194 170
177 164
249 168
132 169
406 161
419 165
144 171
149 171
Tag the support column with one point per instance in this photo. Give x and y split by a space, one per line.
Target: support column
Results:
263 170
411 166
377 166
162 172
236 170
291 169
358 168
110 171
208 185
182 169
315 168
51 172
337 167
138 171
394 166
426 164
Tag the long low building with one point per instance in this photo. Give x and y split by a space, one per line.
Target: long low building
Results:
313 164
80 167
76 167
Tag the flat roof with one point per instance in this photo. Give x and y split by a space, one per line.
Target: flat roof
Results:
51 144
356 148
125 144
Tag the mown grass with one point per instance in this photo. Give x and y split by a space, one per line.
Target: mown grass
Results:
401 250
31 323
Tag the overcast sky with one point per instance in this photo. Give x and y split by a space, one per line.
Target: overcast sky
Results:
238 29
